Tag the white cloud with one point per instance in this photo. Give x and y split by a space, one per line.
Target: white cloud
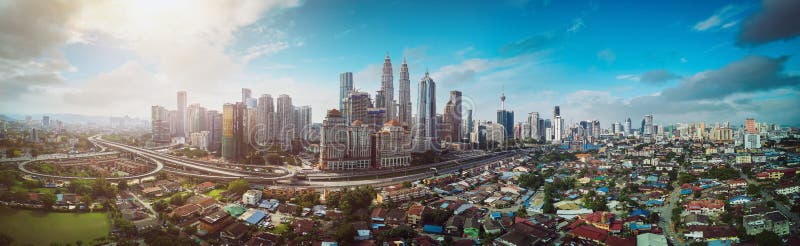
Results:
631 77
577 25
263 50
178 44
720 19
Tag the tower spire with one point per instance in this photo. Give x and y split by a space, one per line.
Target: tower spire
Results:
503 98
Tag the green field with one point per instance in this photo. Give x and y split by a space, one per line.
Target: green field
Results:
42 228
215 193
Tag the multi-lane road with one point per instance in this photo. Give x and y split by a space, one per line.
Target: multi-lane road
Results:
279 176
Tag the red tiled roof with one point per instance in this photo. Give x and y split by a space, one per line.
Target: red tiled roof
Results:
416 209
618 241
576 223
616 226
715 231
206 185
597 217
589 232
186 210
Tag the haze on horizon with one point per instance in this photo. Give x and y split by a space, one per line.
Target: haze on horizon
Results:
681 61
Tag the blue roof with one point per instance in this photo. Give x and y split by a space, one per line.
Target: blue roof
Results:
686 191
496 215
432 229
748 199
603 189
641 212
637 226
444 205
257 216
719 243
59 197
378 226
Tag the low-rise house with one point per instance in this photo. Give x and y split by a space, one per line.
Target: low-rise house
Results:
712 233
414 214
590 233
737 183
696 220
788 189
395 217
186 212
650 239
527 233
705 207
774 221
303 227
214 222
363 231
401 194
234 232
251 197
263 239
739 200
154 191
204 187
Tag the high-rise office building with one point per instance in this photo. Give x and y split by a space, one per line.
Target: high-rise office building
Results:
246 94
426 137
468 125
195 118
159 122
558 125
214 125
266 119
45 122
404 107
228 144
355 107
392 144
505 118
648 125
533 124
752 141
285 120
750 126
343 146
628 127
345 87
180 118
451 119
240 137
303 121
387 89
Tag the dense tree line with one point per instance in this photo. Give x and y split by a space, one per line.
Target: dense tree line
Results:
350 200
722 173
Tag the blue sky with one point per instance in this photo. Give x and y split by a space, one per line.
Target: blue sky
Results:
682 61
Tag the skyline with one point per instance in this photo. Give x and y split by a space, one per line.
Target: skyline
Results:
588 58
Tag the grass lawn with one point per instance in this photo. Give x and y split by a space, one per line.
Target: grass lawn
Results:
42 228
215 193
